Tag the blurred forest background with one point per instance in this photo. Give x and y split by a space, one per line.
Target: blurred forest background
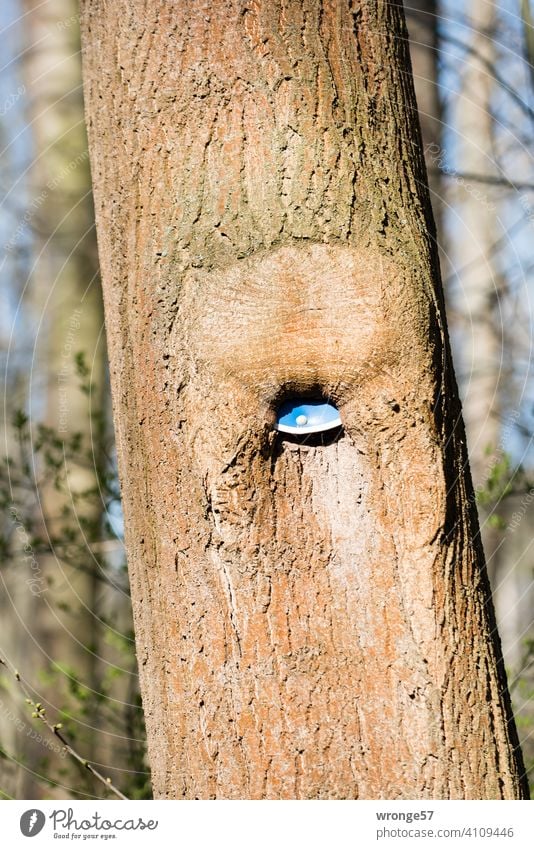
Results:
68 670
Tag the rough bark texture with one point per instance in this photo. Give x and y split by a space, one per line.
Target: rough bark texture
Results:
313 621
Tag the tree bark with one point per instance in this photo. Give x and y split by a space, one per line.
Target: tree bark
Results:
312 620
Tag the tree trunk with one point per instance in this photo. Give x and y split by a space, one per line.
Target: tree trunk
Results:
313 620
481 285
422 17
63 293
482 356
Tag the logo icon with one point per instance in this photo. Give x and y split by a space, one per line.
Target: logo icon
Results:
32 822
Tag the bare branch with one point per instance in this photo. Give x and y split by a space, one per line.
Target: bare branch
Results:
39 712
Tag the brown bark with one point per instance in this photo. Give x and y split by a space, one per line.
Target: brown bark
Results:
313 621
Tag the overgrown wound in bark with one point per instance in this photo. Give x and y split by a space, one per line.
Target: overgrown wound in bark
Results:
313 621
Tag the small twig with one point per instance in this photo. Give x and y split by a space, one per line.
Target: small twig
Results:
487 179
490 68
39 712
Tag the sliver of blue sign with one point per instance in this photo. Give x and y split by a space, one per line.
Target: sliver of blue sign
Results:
306 416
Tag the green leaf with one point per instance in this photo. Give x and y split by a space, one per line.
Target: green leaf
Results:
20 419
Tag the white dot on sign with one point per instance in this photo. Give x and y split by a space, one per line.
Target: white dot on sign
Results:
301 420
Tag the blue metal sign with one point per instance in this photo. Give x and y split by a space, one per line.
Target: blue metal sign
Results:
301 416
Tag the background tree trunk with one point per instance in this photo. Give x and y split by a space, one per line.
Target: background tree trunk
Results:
63 308
485 370
471 248
422 17
66 299
313 621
